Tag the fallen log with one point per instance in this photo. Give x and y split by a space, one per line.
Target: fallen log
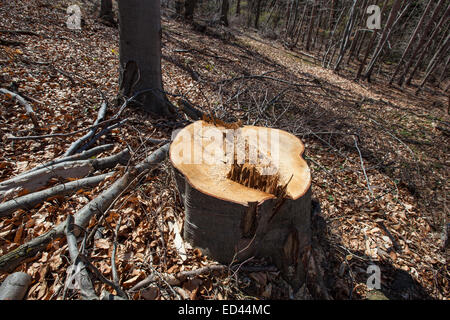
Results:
36 179
15 286
246 192
29 110
12 259
30 200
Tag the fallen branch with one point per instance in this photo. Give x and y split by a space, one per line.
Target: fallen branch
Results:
12 259
75 145
5 42
179 278
80 156
362 166
15 286
81 275
101 133
26 32
30 200
72 169
23 102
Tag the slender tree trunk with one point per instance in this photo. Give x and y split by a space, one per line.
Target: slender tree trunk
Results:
435 60
106 12
316 35
189 9
300 26
344 41
331 16
179 4
428 43
311 26
422 40
369 45
224 12
294 23
384 37
238 7
357 33
410 43
258 13
140 54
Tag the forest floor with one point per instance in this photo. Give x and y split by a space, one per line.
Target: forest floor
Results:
394 218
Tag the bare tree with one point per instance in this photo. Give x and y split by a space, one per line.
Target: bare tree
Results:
423 38
410 43
311 26
384 37
428 43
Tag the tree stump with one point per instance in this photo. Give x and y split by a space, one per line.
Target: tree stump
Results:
246 193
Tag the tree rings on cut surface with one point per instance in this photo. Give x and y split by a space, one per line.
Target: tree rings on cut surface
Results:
246 192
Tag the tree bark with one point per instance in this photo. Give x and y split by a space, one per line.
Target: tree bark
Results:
140 54
238 7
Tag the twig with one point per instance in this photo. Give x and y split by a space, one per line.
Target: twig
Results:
54 135
113 254
362 166
75 145
26 32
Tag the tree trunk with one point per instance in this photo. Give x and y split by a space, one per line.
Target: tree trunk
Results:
369 45
258 13
238 7
384 37
311 25
189 9
106 12
233 210
428 43
179 4
434 61
224 12
140 54
347 31
410 43
422 40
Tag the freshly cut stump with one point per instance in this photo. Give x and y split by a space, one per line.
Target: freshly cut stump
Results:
246 192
